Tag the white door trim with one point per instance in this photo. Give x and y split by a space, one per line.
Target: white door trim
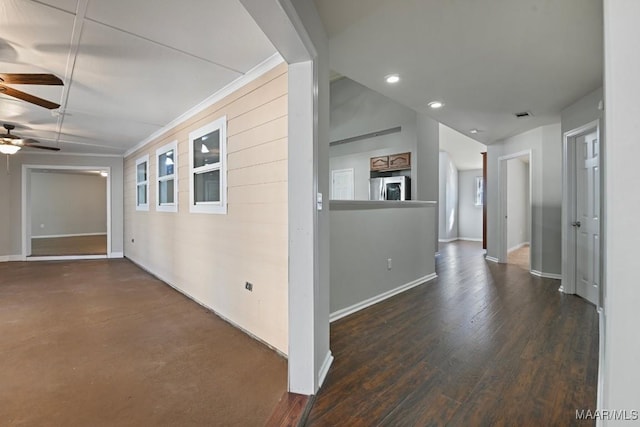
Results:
502 223
568 283
26 206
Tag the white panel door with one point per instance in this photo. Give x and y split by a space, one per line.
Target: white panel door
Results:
587 224
342 184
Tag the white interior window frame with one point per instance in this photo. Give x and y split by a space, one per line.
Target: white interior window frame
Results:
139 161
219 207
167 207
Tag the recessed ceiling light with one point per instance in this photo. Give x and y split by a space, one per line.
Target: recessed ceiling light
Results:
436 104
474 131
392 78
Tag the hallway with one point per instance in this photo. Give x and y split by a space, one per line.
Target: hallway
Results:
483 344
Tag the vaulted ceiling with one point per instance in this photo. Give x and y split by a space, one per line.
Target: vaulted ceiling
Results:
485 59
128 67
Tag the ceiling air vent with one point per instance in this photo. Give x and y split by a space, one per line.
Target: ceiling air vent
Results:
523 114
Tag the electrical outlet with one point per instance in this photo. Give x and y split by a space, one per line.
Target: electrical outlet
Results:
388 263
248 286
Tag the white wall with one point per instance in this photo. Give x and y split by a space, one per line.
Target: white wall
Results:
447 199
65 203
295 29
622 298
11 196
545 143
363 238
357 110
469 215
552 199
517 203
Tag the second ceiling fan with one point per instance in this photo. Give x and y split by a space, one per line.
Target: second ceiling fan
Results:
11 144
29 79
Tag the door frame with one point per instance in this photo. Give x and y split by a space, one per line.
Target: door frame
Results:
502 183
568 281
26 211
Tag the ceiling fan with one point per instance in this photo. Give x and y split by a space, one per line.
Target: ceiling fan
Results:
29 79
11 144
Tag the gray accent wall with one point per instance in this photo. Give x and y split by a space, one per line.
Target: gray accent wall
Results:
546 188
11 196
357 110
362 241
469 215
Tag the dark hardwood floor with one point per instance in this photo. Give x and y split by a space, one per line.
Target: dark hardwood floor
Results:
482 345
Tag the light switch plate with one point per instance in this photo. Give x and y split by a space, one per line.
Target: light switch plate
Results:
319 201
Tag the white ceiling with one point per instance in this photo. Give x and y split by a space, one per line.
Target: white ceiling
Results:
463 151
129 67
486 59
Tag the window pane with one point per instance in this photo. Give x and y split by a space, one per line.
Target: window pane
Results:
166 191
142 194
206 149
165 164
142 172
207 187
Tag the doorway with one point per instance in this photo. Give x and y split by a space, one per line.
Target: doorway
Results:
515 209
581 227
66 212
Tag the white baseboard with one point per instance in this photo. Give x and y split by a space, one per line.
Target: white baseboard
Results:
546 275
492 259
51 236
65 257
470 239
447 240
324 369
378 298
116 255
518 246
11 258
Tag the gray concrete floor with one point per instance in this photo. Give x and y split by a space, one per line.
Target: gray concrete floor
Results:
91 343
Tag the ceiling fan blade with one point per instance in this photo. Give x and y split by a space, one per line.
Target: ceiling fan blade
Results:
30 79
44 147
26 97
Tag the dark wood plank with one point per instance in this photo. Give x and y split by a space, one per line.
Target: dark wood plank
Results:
290 411
483 344
6 90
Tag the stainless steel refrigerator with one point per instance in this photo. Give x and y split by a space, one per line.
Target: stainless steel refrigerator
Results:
390 188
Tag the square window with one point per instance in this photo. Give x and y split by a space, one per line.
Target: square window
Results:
207 186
